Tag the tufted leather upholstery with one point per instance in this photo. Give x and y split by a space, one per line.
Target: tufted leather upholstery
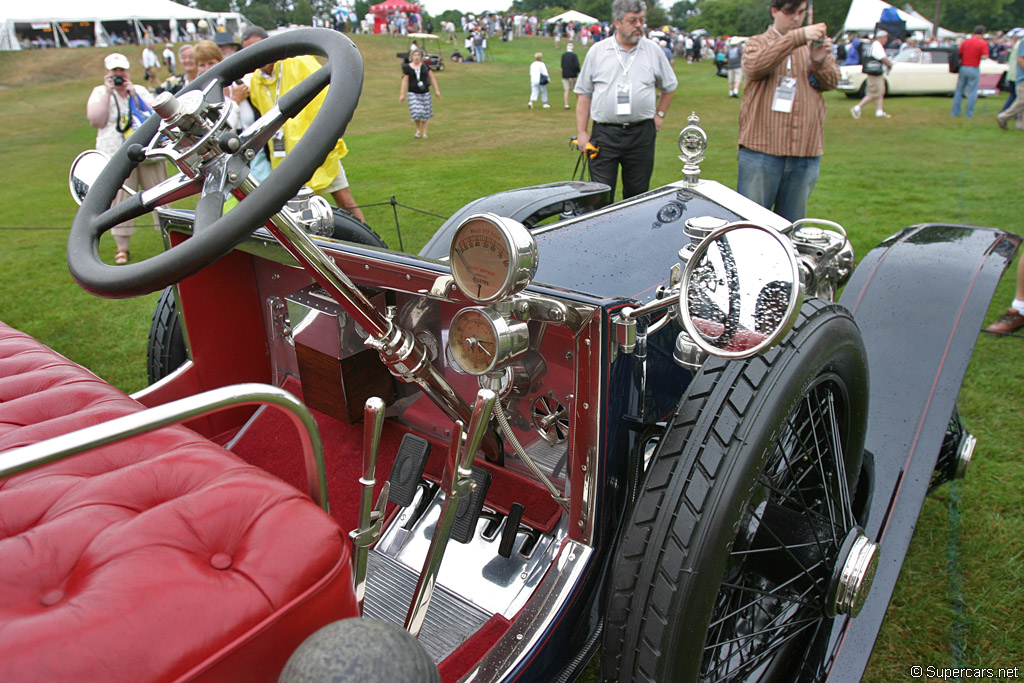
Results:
159 558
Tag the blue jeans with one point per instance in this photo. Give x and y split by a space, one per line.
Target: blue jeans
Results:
782 184
478 53
967 84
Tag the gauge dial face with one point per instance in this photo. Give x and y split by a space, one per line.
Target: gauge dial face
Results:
492 258
473 340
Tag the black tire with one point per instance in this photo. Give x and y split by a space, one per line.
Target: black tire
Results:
348 228
722 534
165 351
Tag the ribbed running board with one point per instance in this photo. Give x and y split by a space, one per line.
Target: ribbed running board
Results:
450 619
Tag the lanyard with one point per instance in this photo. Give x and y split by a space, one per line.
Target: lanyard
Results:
626 67
278 68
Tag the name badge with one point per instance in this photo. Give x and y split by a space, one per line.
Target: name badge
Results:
784 95
623 99
279 152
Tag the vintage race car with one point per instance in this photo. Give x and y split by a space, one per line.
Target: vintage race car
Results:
921 71
646 428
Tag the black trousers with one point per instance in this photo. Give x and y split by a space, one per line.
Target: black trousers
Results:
631 148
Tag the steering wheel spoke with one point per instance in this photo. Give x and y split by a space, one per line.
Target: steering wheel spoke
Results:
170 190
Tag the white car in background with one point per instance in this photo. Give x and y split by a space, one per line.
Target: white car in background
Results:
921 71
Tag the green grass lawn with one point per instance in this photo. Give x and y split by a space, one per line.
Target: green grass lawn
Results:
960 597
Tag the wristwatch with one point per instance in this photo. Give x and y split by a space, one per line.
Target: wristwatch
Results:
660 113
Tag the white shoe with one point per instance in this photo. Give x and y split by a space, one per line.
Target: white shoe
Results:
882 115
547 106
854 112
530 104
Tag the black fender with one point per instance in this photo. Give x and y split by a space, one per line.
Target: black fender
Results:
920 299
528 205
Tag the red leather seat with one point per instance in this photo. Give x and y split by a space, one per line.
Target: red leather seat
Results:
162 557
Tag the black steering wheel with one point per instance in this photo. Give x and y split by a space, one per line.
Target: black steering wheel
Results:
215 234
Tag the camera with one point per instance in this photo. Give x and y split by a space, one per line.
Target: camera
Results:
118 81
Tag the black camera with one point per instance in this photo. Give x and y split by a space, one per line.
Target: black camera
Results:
118 81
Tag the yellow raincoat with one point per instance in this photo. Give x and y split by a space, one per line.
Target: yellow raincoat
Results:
264 92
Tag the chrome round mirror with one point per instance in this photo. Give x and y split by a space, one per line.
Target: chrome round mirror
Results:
740 291
85 169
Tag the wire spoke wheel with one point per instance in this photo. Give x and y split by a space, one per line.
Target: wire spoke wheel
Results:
743 550
775 594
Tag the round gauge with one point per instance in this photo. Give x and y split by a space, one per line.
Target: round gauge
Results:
492 257
480 340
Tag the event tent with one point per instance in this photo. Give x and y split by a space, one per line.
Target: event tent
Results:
64 21
573 15
864 14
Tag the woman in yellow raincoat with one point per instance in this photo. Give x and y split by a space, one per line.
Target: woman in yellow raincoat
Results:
265 88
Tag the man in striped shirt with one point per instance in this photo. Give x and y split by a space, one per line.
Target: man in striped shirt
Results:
782 118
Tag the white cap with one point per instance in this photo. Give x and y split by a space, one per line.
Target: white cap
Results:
116 60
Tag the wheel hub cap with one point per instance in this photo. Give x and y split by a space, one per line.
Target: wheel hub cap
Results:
855 571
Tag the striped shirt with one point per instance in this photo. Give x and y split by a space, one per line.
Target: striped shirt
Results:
767 58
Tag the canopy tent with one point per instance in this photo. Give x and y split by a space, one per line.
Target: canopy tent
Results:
572 16
943 32
864 14
381 11
394 6
68 21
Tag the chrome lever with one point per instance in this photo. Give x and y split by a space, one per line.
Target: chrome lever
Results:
456 486
371 517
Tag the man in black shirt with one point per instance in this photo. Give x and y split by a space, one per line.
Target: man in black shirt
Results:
570 70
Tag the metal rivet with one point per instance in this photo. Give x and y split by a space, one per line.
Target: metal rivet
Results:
519 636
587 342
583 468
580 524
572 556
586 406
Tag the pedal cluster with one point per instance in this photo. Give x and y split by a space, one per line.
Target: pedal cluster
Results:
465 490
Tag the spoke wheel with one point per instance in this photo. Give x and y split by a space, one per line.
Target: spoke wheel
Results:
743 552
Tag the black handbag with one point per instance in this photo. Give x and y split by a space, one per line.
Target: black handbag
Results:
544 80
874 67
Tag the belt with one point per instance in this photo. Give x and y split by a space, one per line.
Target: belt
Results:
628 124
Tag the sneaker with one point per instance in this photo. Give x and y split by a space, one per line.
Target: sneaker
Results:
1008 324
530 104
567 106
882 115
854 112
547 106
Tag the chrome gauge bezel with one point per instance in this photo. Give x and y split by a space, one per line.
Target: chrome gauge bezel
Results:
510 339
490 231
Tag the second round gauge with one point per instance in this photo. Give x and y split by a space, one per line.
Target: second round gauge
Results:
480 340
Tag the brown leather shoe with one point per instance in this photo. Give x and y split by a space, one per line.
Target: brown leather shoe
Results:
1008 324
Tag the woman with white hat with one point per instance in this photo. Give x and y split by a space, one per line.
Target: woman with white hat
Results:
114 109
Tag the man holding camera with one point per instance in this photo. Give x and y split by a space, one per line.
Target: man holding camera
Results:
782 118
113 109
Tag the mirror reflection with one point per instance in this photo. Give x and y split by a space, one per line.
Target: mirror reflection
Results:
740 291
84 172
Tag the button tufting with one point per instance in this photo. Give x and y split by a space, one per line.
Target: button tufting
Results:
51 598
220 561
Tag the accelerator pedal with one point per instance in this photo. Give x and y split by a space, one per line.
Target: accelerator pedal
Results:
511 529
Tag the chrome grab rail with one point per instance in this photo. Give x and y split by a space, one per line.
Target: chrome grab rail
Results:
235 396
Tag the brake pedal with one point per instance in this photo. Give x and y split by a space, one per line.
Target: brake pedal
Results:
408 469
470 507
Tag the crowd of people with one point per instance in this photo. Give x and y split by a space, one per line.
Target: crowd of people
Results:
624 88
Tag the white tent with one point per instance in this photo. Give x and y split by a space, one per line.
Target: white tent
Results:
864 14
573 15
58 18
